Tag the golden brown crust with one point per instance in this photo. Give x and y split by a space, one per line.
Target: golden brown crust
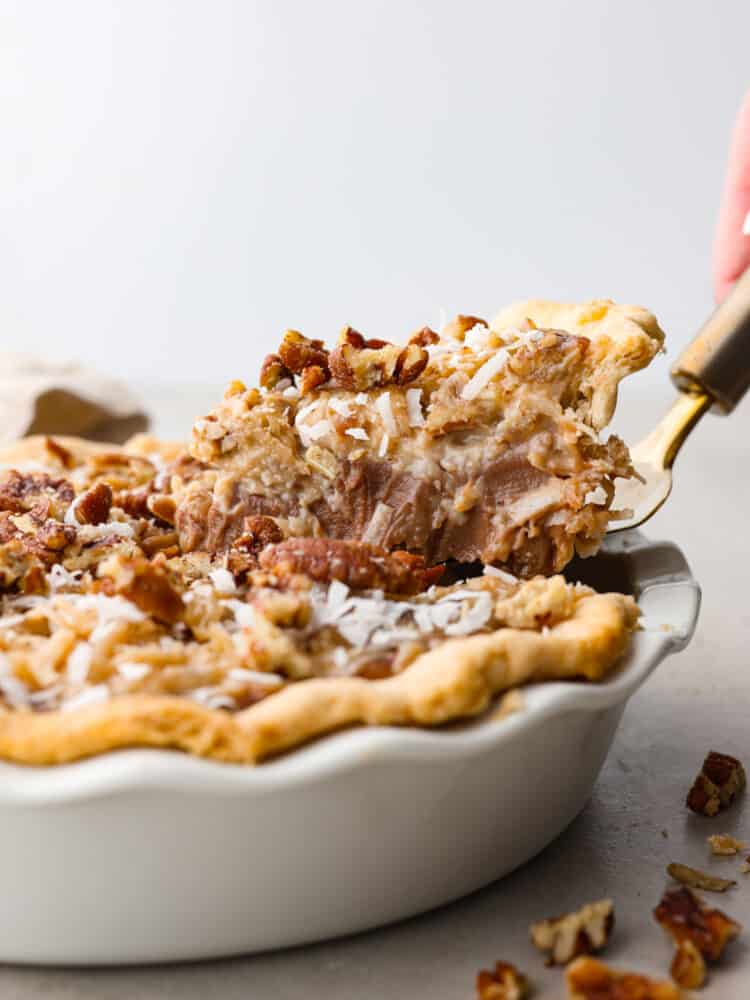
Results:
456 680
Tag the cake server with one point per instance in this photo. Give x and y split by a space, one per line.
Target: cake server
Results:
712 373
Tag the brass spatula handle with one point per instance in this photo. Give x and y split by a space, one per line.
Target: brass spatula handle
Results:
717 362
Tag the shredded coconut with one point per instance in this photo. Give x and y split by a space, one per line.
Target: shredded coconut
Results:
91 531
340 406
376 530
243 613
384 407
485 374
501 574
255 677
223 581
358 432
132 672
89 696
361 399
78 663
318 430
70 513
212 697
384 443
414 407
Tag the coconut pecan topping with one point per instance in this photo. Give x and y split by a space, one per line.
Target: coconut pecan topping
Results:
685 917
272 371
589 979
358 565
298 352
504 982
720 781
579 933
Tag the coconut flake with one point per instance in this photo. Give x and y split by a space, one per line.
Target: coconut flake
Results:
78 663
501 574
485 374
212 697
59 577
223 581
340 406
473 618
357 432
384 406
414 407
13 690
376 530
108 609
70 513
132 672
384 443
337 594
318 430
91 531
255 677
361 399
243 613
90 696
292 392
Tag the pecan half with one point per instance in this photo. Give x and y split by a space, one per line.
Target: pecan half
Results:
162 506
358 565
504 982
589 979
720 781
695 879
298 352
424 337
685 917
94 505
579 933
688 968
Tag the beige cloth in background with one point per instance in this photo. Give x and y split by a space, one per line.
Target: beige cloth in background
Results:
43 397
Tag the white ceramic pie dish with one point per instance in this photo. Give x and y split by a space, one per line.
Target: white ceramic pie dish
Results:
146 855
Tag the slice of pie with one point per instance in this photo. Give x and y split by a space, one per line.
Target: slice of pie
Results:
112 635
478 444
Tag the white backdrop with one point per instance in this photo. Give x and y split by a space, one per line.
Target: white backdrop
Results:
180 181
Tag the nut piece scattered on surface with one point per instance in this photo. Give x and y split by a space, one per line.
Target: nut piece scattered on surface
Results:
695 879
688 968
724 844
579 933
589 979
504 983
685 917
722 778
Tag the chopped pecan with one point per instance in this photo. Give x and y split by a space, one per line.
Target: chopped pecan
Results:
358 565
54 535
162 506
133 502
272 371
460 325
60 453
20 569
312 377
685 917
22 492
43 539
298 352
94 505
424 337
360 364
590 979
724 844
505 982
688 968
258 531
721 779
411 362
147 585
579 933
160 541
694 879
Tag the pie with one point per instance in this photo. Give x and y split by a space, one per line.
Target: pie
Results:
373 537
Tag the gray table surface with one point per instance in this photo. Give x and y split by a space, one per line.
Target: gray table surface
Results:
633 826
